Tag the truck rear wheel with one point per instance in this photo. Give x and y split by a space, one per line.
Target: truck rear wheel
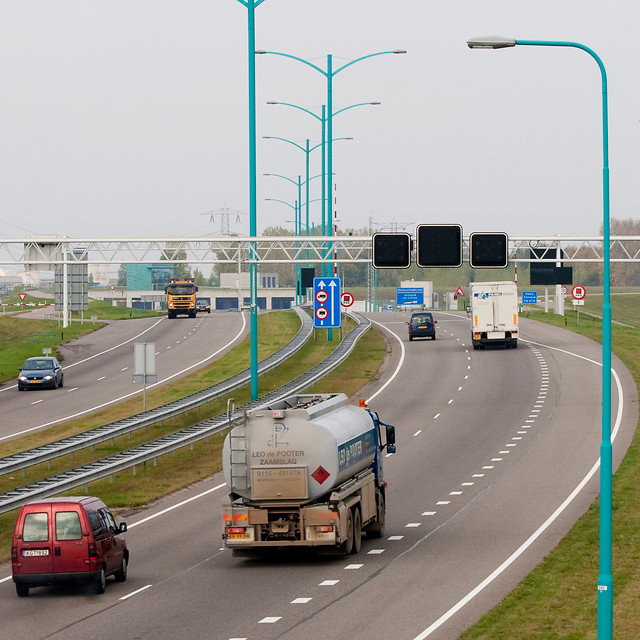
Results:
347 545
357 530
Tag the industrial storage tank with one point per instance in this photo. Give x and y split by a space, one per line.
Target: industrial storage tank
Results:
298 454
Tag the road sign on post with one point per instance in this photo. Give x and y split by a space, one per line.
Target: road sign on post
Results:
326 303
406 296
578 292
346 299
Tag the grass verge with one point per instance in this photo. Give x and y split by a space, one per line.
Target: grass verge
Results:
558 599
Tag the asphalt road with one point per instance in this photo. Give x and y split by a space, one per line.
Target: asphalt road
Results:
495 462
98 367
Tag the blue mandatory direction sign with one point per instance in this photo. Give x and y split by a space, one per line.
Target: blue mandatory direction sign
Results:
326 303
409 295
529 297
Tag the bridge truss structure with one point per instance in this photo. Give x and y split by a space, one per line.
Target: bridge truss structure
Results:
34 253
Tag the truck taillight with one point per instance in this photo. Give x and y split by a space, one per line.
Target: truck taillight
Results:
93 554
325 528
235 529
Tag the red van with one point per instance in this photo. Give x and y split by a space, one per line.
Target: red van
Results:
63 540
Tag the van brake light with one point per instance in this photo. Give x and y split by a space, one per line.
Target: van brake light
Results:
93 554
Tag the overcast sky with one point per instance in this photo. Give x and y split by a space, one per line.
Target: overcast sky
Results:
130 118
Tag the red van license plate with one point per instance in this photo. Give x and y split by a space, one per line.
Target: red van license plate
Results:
30 553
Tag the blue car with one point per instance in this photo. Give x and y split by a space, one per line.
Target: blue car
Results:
422 325
43 372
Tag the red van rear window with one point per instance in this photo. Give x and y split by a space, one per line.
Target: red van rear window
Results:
68 526
36 527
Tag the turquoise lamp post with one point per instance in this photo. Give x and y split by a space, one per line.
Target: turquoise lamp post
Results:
329 74
253 267
307 151
297 231
605 578
323 120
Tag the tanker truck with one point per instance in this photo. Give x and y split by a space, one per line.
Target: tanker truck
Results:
305 472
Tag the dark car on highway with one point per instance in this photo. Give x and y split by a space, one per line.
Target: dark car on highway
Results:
203 304
43 372
422 325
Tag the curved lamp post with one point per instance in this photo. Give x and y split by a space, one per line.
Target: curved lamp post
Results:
307 151
323 121
253 267
605 578
329 73
298 231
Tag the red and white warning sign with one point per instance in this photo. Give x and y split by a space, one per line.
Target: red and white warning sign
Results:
346 299
22 296
322 296
322 313
578 292
459 293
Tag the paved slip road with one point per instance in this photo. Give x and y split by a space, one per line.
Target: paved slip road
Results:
98 367
490 445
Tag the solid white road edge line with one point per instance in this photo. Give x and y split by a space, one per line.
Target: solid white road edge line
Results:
397 371
545 525
129 395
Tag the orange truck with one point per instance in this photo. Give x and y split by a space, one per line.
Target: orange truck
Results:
181 297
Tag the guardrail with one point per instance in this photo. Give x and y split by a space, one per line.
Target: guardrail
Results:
44 453
151 450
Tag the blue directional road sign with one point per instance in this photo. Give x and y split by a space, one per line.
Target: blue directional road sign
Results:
409 295
529 297
326 303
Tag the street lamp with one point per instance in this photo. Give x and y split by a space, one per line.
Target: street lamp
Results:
329 73
323 121
605 578
253 267
307 151
297 232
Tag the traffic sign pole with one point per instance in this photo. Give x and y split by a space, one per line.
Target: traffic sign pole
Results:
326 303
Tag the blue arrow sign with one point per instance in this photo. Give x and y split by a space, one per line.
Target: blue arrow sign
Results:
326 303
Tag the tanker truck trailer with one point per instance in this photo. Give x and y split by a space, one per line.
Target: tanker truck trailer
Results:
306 472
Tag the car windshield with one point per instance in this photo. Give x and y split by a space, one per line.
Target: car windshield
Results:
422 319
38 365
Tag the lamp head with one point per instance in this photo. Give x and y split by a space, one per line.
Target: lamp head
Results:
491 42
260 51
399 51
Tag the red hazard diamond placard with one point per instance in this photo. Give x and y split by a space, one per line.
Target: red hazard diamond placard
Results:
320 475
